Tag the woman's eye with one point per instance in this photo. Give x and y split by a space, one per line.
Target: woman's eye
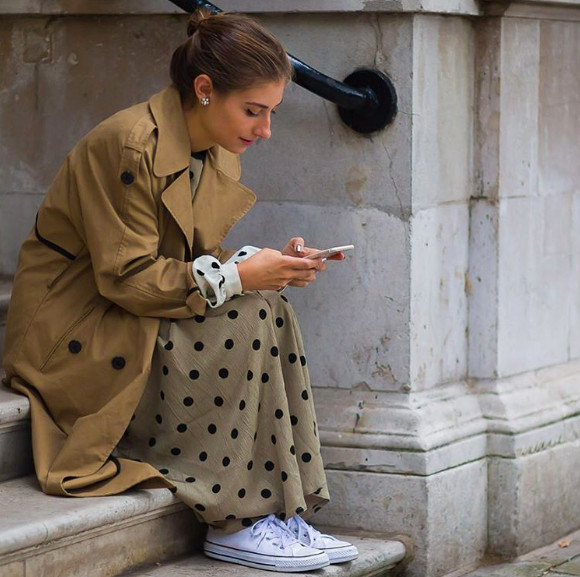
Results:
251 113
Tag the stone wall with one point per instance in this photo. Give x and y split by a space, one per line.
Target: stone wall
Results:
445 350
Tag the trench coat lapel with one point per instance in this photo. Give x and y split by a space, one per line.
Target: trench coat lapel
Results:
177 200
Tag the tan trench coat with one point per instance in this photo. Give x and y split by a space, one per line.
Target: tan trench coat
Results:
108 258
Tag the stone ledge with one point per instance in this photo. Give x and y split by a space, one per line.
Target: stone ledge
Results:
100 536
376 558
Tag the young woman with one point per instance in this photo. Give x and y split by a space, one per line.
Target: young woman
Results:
151 356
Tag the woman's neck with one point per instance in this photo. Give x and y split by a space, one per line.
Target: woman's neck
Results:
199 139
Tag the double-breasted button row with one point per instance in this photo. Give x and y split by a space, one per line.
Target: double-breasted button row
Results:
75 347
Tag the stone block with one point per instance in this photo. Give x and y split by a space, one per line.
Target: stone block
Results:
559 121
444 513
17 213
521 493
439 261
312 157
518 130
354 318
443 59
534 295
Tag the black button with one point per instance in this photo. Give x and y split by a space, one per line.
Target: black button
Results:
75 347
127 177
118 363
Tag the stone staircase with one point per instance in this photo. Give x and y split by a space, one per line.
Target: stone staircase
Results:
145 533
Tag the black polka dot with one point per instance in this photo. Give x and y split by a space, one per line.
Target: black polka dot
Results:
203 456
284 476
216 488
198 346
263 314
266 493
199 272
215 265
317 492
305 394
164 471
223 373
282 516
218 401
234 434
190 479
230 517
233 314
181 428
176 451
173 490
279 322
292 358
241 493
259 407
274 351
317 508
193 374
250 465
212 429
247 522
256 345
159 418
293 449
299 510
188 401
225 461
265 377
242 405
283 298
250 376
229 344
269 466
303 360
279 413
152 441
242 253
200 507
306 457
168 345
273 438
165 370
255 436
162 395
199 318
294 420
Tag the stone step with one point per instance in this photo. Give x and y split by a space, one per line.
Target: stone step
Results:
377 557
96 537
15 446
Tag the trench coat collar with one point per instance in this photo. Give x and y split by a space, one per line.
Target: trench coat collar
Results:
173 146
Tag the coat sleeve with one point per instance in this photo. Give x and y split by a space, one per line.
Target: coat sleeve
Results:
118 216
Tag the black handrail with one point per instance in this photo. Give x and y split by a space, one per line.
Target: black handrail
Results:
366 100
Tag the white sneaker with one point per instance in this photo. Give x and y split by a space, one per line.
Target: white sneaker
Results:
337 551
267 544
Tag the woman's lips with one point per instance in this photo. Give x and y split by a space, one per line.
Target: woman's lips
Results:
246 142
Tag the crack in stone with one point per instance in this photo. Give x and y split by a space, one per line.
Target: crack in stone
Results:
397 194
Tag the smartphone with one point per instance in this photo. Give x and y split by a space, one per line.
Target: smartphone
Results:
330 251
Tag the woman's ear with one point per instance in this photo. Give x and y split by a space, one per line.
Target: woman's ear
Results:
202 86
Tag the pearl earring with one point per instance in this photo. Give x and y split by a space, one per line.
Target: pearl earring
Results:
204 100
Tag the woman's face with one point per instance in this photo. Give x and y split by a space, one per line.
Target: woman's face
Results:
238 119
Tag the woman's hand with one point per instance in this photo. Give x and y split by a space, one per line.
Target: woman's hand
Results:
272 270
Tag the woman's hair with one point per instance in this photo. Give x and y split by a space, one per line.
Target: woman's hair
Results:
232 49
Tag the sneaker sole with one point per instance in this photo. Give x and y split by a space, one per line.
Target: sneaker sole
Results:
342 555
267 562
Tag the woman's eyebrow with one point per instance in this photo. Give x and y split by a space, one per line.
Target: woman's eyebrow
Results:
260 105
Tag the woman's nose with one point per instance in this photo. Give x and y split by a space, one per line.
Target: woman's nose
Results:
263 129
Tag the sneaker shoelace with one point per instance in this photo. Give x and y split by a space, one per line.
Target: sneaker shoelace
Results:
305 532
272 529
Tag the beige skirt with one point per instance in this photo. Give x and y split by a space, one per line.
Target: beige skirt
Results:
228 417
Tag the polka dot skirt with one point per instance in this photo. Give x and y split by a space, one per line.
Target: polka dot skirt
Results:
227 415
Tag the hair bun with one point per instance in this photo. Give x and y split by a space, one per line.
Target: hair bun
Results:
196 19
